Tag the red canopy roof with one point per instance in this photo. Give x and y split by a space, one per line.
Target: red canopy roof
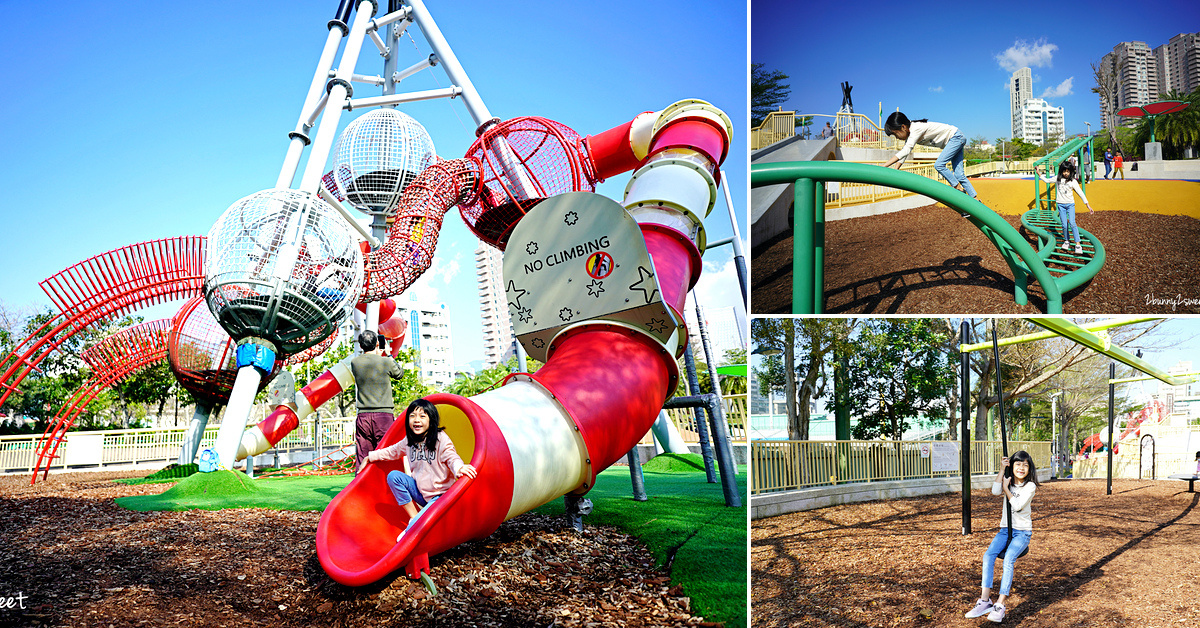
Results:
1154 109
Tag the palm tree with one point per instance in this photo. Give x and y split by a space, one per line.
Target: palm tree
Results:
1176 131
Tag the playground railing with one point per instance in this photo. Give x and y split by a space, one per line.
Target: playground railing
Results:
856 130
685 421
776 127
161 445
790 465
808 238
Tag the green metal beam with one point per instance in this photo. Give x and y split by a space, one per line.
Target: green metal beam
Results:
1045 335
1067 329
1191 377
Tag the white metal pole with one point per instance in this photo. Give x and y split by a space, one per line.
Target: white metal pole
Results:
739 257
396 99
300 135
338 94
237 414
479 112
341 209
194 434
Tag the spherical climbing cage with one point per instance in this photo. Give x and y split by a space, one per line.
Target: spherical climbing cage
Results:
201 354
377 156
284 266
524 161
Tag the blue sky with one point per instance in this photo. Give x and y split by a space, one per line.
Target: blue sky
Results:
952 65
132 121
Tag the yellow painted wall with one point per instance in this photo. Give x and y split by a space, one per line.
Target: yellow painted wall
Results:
1015 196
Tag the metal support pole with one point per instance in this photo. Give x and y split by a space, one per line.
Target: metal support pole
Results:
577 506
479 112
720 429
339 93
317 435
964 360
701 427
299 137
724 460
739 256
195 433
803 213
635 475
1112 374
818 235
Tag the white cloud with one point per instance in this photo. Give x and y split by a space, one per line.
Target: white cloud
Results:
936 90
1024 54
1062 89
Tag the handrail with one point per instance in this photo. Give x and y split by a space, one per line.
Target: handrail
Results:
808 241
1047 243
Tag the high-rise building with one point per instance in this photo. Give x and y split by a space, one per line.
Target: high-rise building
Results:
493 305
1020 89
1136 69
1041 123
1178 63
429 333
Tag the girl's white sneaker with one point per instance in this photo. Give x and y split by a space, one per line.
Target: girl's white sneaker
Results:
997 614
982 607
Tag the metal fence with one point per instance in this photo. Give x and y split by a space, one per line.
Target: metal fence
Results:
790 465
123 447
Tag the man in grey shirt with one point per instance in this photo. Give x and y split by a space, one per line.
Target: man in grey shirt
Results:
373 373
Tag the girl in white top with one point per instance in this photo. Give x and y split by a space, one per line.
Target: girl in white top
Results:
944 136
1018 486
1065 183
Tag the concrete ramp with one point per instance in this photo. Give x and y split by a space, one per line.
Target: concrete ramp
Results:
770 206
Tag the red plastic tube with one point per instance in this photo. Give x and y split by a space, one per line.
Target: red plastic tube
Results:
356 537
676 260
611 151
695 134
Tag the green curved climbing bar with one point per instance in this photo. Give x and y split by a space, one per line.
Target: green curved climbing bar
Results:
808 242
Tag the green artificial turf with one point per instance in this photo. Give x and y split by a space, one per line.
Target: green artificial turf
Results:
684 522
169 473
232 489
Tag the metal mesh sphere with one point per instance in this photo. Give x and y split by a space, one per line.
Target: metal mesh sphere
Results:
524 160
202 354
377 156
284 266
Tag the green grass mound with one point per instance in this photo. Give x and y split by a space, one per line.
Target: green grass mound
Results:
233 489
675 463
170 473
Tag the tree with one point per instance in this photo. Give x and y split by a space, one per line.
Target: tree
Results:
490 378
1105 87
809 346
153 385
733 384
767 91
899 372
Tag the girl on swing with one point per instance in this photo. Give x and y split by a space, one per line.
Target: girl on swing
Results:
1018 483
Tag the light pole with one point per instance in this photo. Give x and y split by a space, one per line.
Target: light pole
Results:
1053 432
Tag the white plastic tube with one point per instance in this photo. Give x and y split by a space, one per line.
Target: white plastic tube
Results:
237 414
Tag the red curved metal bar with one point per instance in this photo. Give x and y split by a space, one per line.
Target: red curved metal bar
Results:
105 287
117 357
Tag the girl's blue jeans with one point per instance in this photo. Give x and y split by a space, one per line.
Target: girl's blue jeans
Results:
1020 540
954 153
404 489
1066 213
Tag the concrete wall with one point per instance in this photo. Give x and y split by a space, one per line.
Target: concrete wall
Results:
1013 197
774 504
771 205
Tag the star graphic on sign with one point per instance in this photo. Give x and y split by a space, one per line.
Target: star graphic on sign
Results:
565 314
538 343
517 292
571 218
598 286
645 284
525 315
656 325
531 248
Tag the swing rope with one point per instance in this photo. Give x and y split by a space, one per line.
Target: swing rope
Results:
1003 440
